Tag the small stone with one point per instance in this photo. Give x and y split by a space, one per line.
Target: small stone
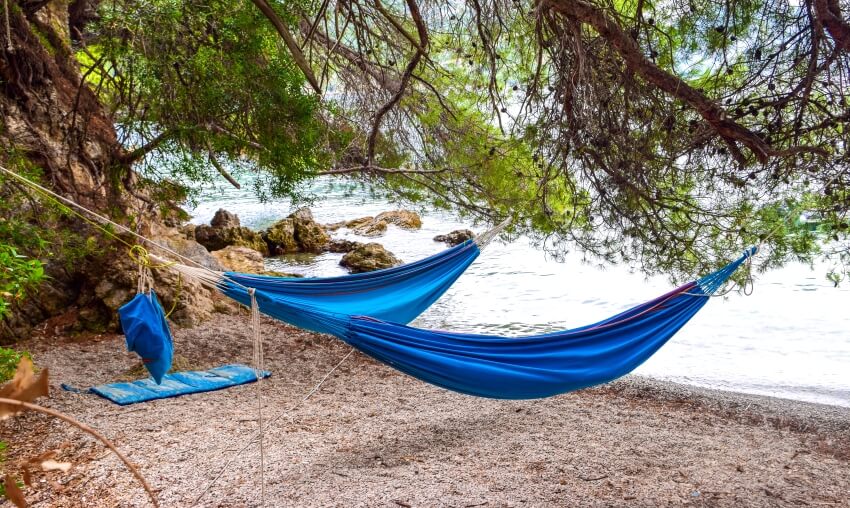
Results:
341 246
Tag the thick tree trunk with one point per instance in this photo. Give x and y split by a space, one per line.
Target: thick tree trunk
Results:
52 119
50 115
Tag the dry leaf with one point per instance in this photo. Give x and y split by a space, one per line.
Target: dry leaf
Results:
13 493
52 465
25 386
41 457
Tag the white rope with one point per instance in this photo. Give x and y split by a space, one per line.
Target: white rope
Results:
277 417
121 227
484 239
259 369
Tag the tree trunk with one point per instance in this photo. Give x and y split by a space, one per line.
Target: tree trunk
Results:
51 117
54 121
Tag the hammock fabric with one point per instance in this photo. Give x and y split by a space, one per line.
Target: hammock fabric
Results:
147 333
324 305
483 365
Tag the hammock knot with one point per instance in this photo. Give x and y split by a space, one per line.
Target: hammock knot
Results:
752 251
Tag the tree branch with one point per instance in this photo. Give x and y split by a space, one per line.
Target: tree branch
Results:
132 156
297 55
829 13
394 22
635 60
223 172
405 79
85 428
366 168
350 55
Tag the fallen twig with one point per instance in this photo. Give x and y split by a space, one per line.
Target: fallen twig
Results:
97 435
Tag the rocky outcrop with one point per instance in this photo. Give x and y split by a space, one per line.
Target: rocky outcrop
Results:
369 257
245 260
225 230
370 228
377 226
342 246
177 241
225 219
194 303
240 259
405 219
297 233
456 237
310 235
302 213
280 238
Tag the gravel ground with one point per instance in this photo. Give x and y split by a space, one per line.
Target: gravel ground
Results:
373 437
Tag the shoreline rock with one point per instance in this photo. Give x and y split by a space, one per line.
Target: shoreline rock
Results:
376 226
368 258
236 258
455 237
298 232
405 219
225 230
342 246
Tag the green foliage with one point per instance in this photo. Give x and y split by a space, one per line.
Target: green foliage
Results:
32 230
9 359
534 115
3 448
214 80
22 241
17 274
539 116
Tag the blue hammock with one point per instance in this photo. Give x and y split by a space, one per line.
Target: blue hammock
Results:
323 305
147 333
483 365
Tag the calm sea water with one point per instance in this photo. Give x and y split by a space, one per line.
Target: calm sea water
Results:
790 338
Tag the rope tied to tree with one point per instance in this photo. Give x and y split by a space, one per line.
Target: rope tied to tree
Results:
259 369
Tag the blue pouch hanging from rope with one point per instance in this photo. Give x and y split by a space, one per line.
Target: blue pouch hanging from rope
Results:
147 332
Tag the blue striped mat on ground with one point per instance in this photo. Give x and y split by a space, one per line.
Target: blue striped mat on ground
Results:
178 383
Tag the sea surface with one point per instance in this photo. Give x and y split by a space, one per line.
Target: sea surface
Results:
790 338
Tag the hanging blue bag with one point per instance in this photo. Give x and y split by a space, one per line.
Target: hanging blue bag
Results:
147 332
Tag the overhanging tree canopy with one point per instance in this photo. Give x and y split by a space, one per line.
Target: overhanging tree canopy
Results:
665 134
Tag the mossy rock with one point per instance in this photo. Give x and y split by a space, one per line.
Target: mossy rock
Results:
369 257
280 238
217 238
311 236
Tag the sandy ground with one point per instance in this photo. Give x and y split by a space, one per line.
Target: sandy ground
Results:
373 437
